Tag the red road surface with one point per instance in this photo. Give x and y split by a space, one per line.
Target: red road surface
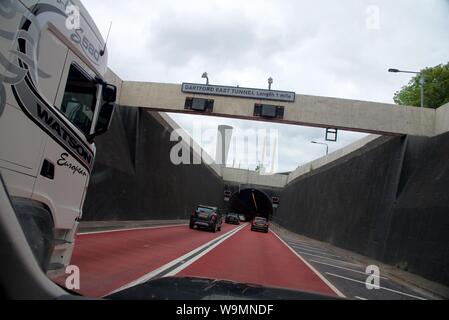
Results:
108 261
257 258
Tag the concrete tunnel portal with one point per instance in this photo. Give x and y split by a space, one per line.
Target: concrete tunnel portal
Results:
251 203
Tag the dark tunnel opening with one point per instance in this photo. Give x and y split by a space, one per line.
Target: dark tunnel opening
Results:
251 203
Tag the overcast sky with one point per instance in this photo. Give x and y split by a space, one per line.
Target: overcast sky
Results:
323 47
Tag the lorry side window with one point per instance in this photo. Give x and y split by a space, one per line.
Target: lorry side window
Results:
79 101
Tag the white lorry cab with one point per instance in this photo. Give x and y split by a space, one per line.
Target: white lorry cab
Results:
53 103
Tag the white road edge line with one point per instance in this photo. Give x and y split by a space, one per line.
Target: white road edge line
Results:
172 263
360 298
340 267
384 288
330 285
132 229
196 258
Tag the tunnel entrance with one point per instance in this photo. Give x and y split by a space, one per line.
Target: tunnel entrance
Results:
251 203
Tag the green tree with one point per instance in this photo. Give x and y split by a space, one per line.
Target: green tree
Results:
436 88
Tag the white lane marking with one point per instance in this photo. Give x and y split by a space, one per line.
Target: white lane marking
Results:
308 248
337 261
196 258
133 229
383 288
360 298
172 263
316 251
330 285
302 243
294 244
343 268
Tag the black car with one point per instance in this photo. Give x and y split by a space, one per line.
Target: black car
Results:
259 224
232 218
206 217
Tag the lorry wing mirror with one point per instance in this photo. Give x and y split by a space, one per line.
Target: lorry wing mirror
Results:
104 119
109 93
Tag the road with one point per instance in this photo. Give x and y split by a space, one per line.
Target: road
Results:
259 258
350 276
111 261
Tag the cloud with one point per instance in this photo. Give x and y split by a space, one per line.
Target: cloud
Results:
320 47
323 47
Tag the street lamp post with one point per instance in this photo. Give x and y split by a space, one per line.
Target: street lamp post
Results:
206 76
422 81
323 144
270 82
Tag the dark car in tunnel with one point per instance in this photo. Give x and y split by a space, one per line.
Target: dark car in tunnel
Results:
206 217
232 218
250 203
259 224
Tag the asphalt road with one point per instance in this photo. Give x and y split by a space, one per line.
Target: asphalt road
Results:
350 277
113 260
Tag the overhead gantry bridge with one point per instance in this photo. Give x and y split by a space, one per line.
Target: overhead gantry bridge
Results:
283 107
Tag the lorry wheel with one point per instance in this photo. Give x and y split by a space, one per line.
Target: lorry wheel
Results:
37 225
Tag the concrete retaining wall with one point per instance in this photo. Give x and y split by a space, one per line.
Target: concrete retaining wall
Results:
252 178
308 167
418 240
134 179
388 200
